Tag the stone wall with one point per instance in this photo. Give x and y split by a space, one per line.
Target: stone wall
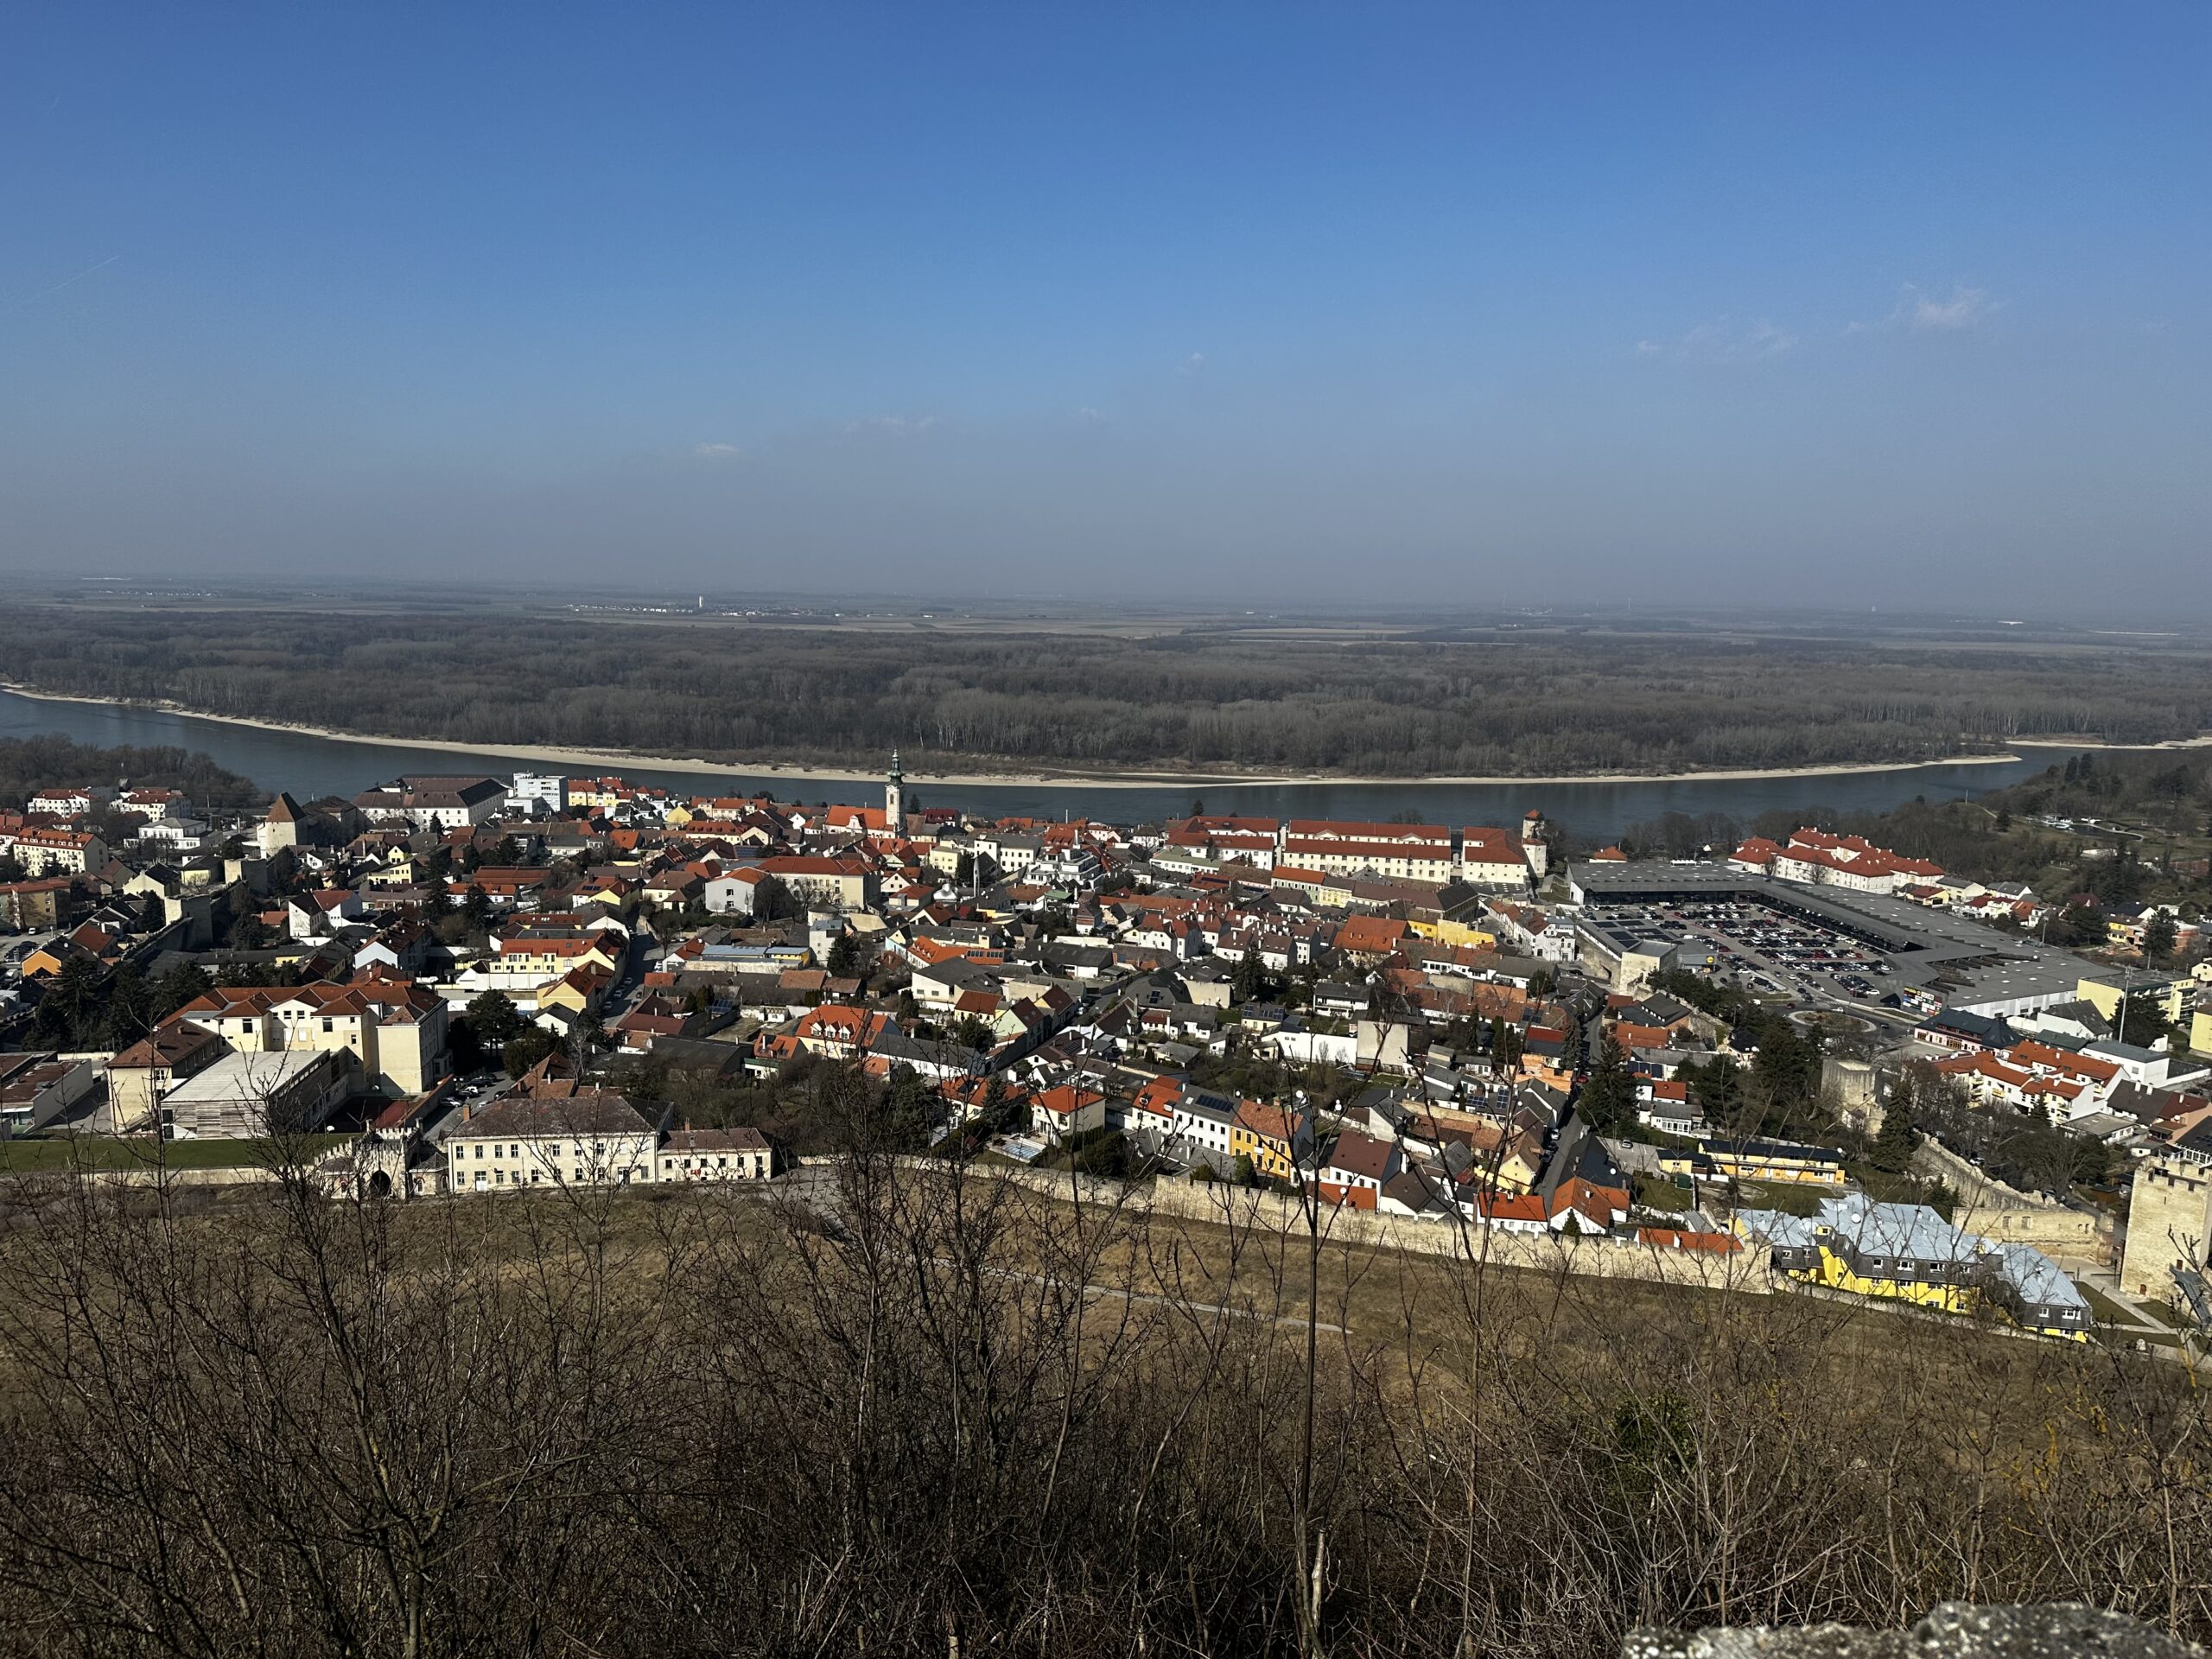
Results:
2007 1216
1222 1205
1742 1270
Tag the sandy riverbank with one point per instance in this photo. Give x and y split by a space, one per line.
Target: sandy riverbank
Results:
614 759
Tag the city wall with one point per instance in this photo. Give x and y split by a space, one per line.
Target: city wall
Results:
2006 1215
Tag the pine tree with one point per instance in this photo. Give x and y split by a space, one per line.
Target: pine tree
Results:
1608 1099
1897 1139
2159 934
1250 978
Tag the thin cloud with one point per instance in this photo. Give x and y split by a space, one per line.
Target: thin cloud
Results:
891 426
718 452
1724 340
1919 310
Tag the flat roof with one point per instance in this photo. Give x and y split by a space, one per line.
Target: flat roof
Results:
1974 967
245 1075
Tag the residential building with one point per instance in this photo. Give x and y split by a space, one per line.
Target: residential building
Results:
1907 1252
393 1030
141 1076
587 1138
433 803
54 852
39 1090
739 1154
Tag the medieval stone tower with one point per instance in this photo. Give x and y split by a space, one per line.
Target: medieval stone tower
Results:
1535 842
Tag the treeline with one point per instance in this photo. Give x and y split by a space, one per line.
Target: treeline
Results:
28 765
937 1413
2141 823
1399 707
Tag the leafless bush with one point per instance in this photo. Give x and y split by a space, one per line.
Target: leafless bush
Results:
927 1410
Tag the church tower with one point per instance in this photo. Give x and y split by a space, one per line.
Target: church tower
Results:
894 797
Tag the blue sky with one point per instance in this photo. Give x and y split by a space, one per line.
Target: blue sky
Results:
1452 304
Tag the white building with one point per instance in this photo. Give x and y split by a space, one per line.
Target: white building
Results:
433 803
593 1138
531 788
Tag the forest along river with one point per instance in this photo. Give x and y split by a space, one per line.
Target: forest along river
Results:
1594 811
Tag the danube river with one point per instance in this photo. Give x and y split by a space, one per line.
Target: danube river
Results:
1596 810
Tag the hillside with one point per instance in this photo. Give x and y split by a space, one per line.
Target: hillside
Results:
924 1414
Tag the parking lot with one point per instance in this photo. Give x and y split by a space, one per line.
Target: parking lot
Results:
1770 953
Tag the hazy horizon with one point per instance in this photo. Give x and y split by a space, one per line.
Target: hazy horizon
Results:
1287 308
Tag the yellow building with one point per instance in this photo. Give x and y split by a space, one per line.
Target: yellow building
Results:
578 991
1785 1161
398 870
1909 1253
1266 1134
1445 931
2105 995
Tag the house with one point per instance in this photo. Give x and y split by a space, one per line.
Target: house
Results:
1060 1114
585 1138
839 1034
1204 1122
37 1090
1368 940
1511 1213
1356 1169
1277 1139
733 892
314 915
524 964
739 1154
140 1075
1583 1189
